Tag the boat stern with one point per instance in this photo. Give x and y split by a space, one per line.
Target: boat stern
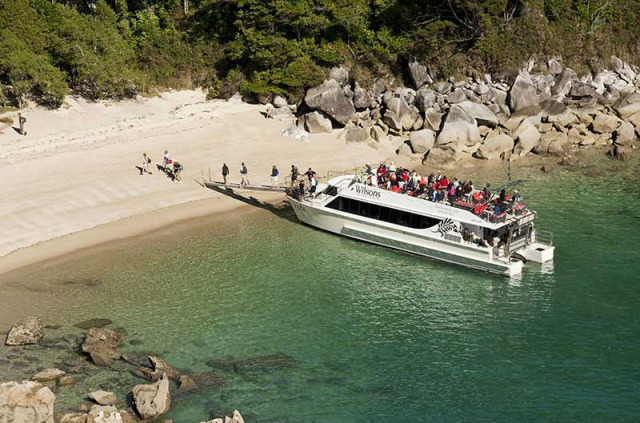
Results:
538 252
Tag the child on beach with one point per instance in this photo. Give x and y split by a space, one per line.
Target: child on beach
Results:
166 159
274 176
244 174
177 170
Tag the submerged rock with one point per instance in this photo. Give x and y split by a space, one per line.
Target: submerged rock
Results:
48 375
158 368
263 363
29 330
101 344
93 323
26 402
103 397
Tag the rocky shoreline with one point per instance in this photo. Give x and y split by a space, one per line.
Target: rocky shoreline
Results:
493 117
118 387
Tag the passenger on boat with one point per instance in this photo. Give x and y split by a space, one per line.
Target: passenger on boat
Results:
294 175
486 192
382 174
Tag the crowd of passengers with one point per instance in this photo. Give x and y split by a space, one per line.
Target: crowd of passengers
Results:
439 189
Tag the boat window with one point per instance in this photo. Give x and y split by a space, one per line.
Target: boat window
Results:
385 214
331 190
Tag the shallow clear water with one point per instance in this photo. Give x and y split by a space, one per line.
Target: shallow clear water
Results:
378 334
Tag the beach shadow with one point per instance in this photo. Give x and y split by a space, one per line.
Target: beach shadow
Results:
166 171
282 209
18 130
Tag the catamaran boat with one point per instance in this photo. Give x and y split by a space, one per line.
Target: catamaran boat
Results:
463 233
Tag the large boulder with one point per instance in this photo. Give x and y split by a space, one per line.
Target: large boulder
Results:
279 102
340 75
563 119
605 124
361 98
616 64
419 74
152 400
494 146
401 116
105 414
628 105
26 402
425 98
459 128
563 82
481 113
527 137
316 122
523 93
29 330
625 134
102 345
458 96
432 119
422 141
555 67
332 100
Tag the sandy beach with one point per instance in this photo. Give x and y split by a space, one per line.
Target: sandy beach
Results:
75 170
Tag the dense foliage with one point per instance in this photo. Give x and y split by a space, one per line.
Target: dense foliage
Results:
116 48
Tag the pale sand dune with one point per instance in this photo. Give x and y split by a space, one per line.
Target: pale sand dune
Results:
76 168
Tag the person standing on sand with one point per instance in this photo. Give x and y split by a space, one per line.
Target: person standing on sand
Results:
145 164
274 176
166 159
177 170
244 173
294 175
21 121
225 172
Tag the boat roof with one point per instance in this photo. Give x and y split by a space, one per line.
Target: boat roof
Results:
350 188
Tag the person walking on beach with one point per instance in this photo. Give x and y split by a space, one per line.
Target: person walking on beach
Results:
225 172
244 174
166 159
21 121
145 164
274 176
177 170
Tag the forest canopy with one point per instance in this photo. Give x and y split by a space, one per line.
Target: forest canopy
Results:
117 48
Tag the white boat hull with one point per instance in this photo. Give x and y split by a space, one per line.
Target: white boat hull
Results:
403 239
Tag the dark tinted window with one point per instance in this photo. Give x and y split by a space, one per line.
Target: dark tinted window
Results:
385 214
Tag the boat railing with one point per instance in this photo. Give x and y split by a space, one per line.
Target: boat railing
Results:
544 237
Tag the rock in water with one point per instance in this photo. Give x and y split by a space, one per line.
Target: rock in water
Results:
48 375
152 400
316 122
26 402
73 418
186 384
332 100
101 344
26 331
263 363
103 397
295 133
422 141
494 146
158 368
459 128
523 93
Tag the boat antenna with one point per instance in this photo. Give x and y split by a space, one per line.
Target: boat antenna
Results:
509 168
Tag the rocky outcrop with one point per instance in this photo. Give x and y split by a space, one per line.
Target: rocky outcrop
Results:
26 402
102 345
523 93
29 330
628 105
481 113
357 134
279 102
153 400
419 74
331 99
340 75
459 128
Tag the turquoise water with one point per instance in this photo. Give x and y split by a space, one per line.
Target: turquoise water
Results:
378 334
